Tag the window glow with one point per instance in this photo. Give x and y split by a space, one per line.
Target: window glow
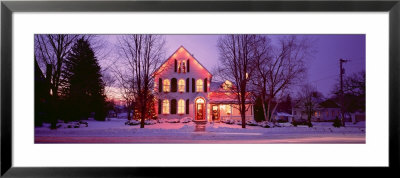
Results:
183 66
166 85
181 106
199 85
181 85
199 100
165 107
228 109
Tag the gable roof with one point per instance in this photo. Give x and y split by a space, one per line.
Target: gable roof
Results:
329 103
176 52
214 86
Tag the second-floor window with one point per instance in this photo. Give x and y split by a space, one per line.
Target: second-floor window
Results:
199 85
167 85
181 85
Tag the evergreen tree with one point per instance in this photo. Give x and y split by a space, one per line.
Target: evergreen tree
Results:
83 87
286 105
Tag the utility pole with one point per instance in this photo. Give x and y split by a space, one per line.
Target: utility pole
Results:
341 90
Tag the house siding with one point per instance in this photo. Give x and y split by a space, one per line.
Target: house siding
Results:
169 71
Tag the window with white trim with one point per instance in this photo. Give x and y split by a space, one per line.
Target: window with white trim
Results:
181 106
199 85
165 107
166 85
181 85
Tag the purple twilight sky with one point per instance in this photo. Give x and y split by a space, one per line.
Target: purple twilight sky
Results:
323 70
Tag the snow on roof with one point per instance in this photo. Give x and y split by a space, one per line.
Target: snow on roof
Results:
224 98
219 86
214 86
283 114
328 104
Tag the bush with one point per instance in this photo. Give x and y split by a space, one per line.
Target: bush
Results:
337 123
251 123
186 120
173 120
301 122
132 122
264 124
150 122
229 121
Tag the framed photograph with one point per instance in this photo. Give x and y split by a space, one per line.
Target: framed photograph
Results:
102 88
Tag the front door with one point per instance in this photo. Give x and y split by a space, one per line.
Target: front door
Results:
200 111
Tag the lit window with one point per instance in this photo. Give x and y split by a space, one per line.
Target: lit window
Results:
165 107
181 106
200 100
167 85
181 85
228 109
199 85
183 67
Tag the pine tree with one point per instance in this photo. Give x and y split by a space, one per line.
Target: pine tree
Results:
83 87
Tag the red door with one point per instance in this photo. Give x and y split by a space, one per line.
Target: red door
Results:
200 111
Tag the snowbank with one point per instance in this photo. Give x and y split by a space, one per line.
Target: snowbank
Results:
117 128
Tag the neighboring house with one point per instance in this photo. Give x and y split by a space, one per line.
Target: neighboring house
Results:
184 88
283 117
327 110
357 116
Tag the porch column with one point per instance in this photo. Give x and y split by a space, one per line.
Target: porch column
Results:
231 112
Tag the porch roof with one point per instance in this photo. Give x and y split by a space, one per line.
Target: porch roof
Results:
224 98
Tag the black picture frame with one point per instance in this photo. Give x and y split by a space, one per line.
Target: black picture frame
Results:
8 7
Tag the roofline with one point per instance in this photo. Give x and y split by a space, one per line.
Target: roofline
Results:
181 46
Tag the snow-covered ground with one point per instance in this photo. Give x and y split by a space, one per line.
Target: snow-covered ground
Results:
187 132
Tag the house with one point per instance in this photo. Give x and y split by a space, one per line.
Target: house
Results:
184 88
326 110
283 117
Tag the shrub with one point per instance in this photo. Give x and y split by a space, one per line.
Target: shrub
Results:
301 122
132 122
337 123
150 122
251 123
186 120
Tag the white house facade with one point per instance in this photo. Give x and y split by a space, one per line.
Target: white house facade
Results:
184 88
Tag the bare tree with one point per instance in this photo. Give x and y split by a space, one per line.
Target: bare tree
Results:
277 67
126 84
51 50
236 54
142 55
308 100
353 94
